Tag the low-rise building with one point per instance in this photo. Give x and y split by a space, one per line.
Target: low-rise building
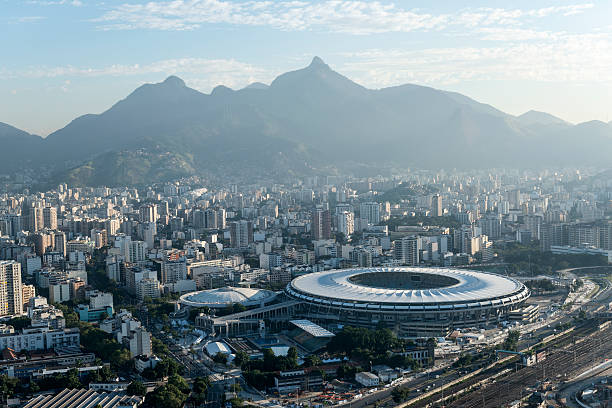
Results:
526 314
74 399
111 386
15 366
40 339
367 379
86 314
141 363
306 379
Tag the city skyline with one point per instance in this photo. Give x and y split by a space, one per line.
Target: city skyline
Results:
515 58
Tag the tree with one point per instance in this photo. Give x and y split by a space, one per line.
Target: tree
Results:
463 360
511 342
256 379
200 388
312 361
34 388
236 402
93 377
20 322
400 394
136 388
167 367
340 238
180 383
346 371
8 385
167 396
72 319
149 374
200 385
72 379
106 374
269 360
241 358
220 358
159 348
231 309
292 356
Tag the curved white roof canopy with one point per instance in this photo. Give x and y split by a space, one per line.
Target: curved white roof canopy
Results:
454 286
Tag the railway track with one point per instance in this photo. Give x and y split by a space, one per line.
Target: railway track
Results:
578 336
558 365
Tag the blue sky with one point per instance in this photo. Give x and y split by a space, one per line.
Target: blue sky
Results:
64 58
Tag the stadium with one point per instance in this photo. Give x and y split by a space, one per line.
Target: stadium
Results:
414 302
223 297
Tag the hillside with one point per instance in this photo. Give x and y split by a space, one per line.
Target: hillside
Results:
303 120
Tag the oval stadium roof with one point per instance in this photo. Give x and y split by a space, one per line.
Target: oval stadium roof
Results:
348 286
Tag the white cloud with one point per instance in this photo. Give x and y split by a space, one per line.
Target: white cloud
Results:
76 3
562 58
200 73
353 17
29 19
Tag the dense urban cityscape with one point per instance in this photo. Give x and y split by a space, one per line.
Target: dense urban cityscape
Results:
424 287
305 204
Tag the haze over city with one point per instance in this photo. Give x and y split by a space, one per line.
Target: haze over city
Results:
305 204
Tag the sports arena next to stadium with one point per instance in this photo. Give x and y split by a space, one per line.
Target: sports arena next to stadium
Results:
414 302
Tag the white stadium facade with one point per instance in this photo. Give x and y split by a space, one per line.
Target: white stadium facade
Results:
414 302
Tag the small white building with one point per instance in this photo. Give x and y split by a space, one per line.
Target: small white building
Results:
100 300
367 379
141 362
215 347
113 386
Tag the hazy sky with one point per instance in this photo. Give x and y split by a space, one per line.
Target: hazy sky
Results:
64 58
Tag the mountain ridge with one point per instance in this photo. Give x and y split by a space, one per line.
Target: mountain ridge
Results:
313 117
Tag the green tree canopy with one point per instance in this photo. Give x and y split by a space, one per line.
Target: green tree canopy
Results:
136 388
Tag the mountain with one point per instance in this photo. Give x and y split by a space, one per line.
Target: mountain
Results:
257 85
305 120
19 148
533 117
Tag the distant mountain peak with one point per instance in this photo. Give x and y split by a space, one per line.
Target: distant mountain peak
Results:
221 90
173 80
257 85
317 62
536 117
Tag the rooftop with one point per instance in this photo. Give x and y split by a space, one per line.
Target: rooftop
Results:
84 399
404 285
311 328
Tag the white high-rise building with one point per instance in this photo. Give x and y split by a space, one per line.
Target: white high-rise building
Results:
149 232
59 241
241 234
406 250
137 251
370 211
148 213
147 287
123 242
346 223
436 206
140 342
50 217
59 292
100 300
11 290
173 271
